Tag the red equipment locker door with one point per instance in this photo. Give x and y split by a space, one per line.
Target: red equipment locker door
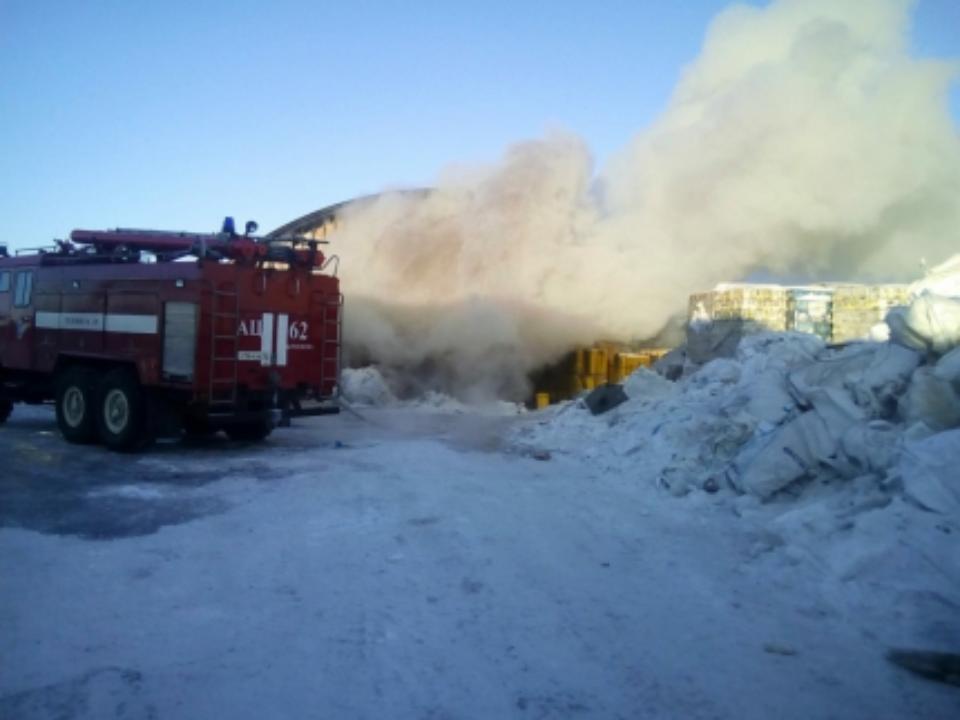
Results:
47 334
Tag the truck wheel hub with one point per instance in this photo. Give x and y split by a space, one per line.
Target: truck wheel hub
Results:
116 411
74 406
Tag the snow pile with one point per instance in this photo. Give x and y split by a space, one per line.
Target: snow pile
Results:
783 413
841 459
432 401
438 402
365 386
685 433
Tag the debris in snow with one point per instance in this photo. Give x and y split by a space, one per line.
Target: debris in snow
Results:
672 365
604 398
779 649
939 666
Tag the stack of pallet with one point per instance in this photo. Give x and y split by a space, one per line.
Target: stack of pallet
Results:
589 367
810 310
857 308
760 305
837 313
720 318
624 363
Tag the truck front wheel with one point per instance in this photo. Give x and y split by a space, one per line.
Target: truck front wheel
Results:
76 413
122 420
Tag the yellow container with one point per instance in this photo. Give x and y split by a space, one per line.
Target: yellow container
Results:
598 362
580 361
543 400
625 363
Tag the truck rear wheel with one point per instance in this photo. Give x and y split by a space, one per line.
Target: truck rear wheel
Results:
76 405
249 431
122 418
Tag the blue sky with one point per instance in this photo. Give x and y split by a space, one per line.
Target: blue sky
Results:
173 114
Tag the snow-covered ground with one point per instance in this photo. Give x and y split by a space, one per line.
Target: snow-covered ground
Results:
413 563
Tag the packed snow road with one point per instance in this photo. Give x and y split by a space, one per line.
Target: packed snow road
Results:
408 564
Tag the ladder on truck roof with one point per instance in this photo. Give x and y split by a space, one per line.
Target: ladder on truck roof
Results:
224 344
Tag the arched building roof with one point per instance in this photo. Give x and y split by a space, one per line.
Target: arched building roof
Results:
319 223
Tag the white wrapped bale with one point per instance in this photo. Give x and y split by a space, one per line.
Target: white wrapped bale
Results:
948 368
930 323
944 279
792 453
928 470
931 400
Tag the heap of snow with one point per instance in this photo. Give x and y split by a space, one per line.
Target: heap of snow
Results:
365 386
844 459
787 412
432 401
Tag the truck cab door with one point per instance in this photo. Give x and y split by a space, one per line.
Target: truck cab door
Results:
18 333
6 321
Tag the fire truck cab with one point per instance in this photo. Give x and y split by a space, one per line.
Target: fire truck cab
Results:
136 333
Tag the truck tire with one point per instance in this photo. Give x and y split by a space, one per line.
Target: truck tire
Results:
249 431
76 405
6 407
122 419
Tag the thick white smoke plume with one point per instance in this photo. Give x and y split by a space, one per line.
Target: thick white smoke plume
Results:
803 139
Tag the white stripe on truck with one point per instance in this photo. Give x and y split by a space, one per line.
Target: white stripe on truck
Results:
97 322
137 324
266 340
283 327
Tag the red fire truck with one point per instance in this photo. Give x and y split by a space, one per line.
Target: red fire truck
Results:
137 333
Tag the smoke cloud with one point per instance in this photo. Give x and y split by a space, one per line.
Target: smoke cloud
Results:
803 140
